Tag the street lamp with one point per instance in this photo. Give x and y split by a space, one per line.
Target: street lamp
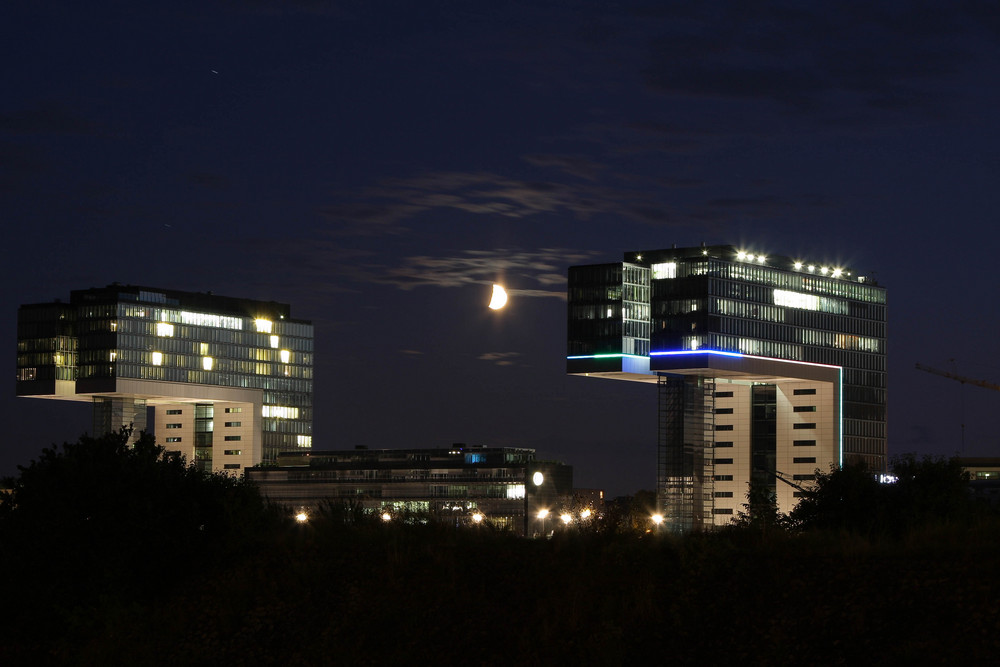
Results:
541 515
477 517
386 517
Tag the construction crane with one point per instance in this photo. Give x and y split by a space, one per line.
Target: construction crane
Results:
961 378
964 380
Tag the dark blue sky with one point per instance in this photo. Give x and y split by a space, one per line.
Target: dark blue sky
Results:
379 164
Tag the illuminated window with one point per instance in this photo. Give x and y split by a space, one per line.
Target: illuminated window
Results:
664 270
164 329
274 342
232 424
304 440
286 356
796 300
233 452
111 357
515 491
207 320
280 412
173 439
203 349
175 425
263 326
228 410
157 358
207 363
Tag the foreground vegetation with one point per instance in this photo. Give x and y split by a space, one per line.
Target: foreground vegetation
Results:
114 555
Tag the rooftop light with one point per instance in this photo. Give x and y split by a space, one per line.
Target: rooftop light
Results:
824 270
811 267
798 265
741 255
837 273
761 259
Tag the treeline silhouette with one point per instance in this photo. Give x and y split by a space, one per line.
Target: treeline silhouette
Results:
116 554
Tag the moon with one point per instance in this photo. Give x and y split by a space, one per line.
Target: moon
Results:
499 299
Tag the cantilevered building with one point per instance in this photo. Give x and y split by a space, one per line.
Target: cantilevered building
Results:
767 368
230 380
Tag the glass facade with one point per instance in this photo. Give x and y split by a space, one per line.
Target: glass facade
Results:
121 332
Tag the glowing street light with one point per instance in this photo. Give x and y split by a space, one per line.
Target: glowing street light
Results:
477 517
566 517
386 517
301 517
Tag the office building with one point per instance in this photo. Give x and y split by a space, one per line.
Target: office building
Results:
767 368
504 486
229 380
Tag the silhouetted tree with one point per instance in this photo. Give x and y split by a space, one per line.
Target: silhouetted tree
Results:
760 511
100 520
848 498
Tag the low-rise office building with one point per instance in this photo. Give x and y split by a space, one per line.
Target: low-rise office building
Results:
505 486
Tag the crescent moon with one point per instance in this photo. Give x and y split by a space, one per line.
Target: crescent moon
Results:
499 299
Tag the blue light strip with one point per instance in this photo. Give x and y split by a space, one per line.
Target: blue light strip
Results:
683 352
611 355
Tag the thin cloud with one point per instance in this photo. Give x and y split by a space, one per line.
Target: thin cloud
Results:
500 358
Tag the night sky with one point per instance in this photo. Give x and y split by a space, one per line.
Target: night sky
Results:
378 165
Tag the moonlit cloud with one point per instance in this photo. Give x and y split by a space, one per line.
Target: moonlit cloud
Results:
500 358
534 269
